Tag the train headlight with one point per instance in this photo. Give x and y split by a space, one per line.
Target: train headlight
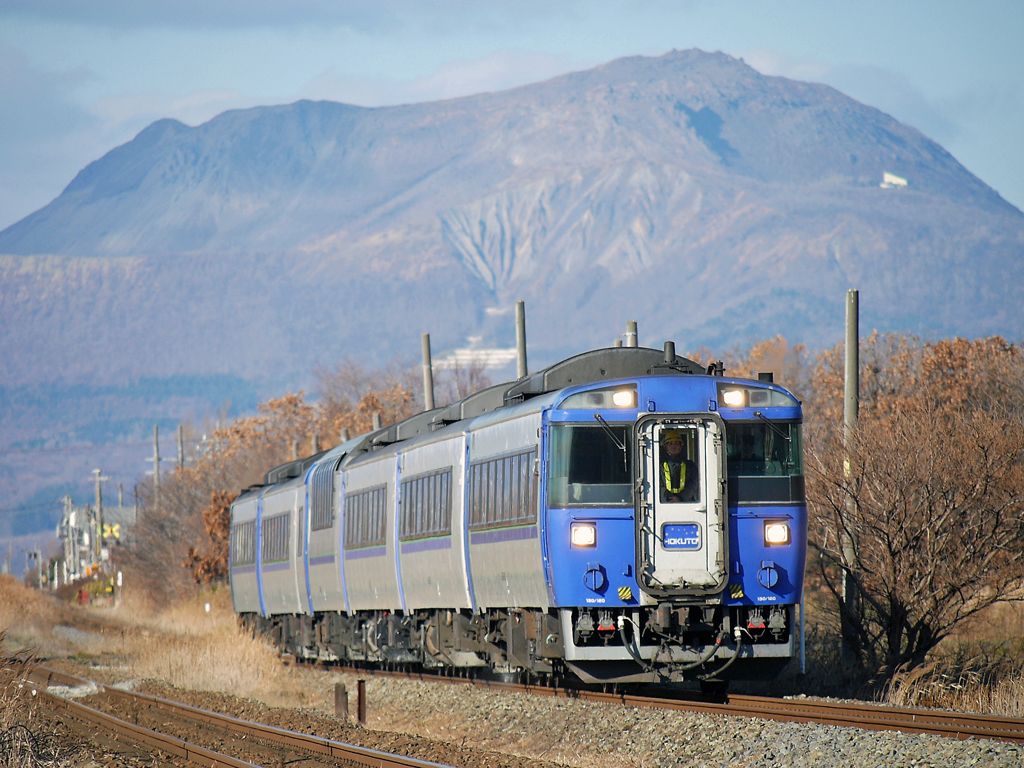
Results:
623 398
583 534
776 533
734 398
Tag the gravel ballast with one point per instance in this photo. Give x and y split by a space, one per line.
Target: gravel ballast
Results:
476 723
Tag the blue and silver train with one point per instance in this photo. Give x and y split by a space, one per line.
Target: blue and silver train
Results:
623 516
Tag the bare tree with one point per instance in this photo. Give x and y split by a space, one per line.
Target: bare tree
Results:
930 492
350 394
460 381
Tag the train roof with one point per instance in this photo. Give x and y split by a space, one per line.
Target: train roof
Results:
606 364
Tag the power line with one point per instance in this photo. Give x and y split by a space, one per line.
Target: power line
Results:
68 448
29 507
83 448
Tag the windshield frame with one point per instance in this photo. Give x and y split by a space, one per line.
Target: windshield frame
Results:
771 442
559 493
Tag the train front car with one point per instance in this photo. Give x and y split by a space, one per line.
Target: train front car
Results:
676 527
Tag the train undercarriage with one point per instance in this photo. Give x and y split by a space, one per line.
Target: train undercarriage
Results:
663 644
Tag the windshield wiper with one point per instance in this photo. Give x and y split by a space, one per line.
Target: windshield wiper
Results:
611 433
774 429
615 440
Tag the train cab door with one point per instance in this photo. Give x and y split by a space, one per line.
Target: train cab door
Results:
682 534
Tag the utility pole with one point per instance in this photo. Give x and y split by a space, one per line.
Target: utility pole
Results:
520 339
156 459
181 448
69 530
851 412
428 375
98 476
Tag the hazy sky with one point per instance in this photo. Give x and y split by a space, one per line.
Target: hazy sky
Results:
78 78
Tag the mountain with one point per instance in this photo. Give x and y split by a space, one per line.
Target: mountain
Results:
689 191
713 204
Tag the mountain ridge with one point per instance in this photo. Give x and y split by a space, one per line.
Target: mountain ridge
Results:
634 185
253 160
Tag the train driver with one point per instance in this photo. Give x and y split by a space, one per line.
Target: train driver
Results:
679 479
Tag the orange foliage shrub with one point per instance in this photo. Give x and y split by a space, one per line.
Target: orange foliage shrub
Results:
213 566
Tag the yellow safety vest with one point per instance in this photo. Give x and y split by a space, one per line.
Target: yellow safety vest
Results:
668 477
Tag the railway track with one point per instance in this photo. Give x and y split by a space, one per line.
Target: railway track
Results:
172 729
853 715
232 743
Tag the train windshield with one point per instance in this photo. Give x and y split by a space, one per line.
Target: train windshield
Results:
764 449
590 466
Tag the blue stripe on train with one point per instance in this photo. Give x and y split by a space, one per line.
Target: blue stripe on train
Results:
426 545
504 534
357 554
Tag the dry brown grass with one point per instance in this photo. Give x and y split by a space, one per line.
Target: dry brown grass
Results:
189 647
26 741
220 659
981 669
27 616
183 644
961 693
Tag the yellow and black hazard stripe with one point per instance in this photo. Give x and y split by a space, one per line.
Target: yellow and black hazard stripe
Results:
736 591
625 593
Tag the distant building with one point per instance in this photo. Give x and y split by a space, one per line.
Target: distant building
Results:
476 357
88 536
892 181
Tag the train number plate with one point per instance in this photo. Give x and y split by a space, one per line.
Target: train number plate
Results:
684 536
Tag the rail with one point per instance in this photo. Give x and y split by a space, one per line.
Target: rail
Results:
41 678
856 715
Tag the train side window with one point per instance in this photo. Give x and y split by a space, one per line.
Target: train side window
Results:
321 507
501 492
426 505
365 517
276 532
501 484
243 543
